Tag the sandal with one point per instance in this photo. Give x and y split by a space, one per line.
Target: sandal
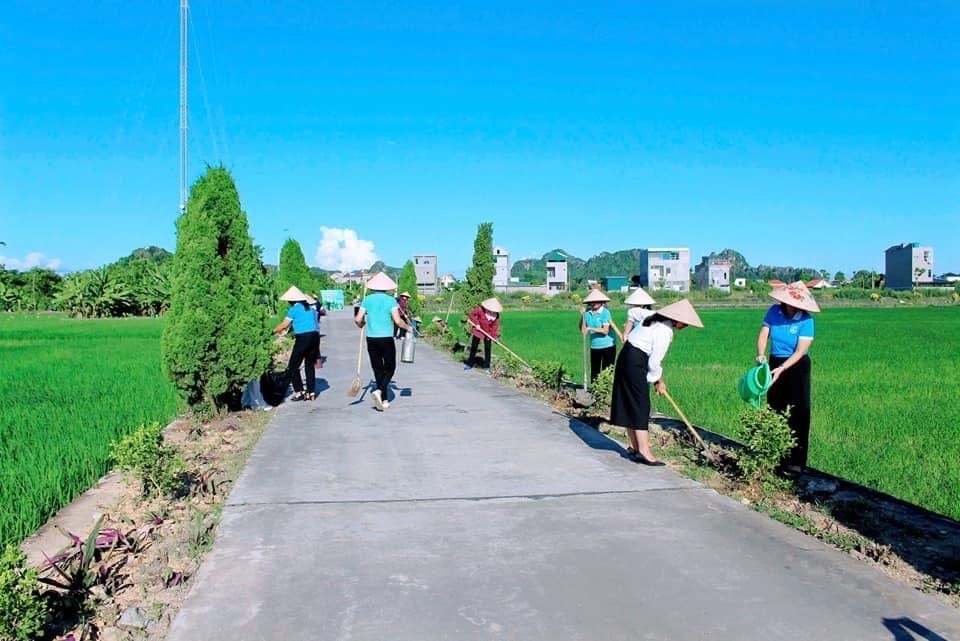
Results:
297 396
310 396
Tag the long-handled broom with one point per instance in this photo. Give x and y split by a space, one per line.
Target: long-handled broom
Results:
355 385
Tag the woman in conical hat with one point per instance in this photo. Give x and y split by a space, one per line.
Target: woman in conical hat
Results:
302 317
596 322
640 365
640 305
788 328
484 323
379 312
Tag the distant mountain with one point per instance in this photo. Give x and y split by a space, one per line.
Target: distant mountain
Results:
381 266
620 263
151 254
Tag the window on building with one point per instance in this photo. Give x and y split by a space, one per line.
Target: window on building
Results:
670 256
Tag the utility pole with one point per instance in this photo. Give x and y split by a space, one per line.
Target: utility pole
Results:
184 8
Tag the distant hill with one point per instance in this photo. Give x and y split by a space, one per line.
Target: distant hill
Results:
151 254
619 263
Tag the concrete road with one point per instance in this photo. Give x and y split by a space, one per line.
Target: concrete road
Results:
467 511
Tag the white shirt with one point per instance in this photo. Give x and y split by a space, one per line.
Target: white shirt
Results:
637 314
654 339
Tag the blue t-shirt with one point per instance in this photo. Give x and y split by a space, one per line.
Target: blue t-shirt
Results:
786 332
379 321
599 319
304 320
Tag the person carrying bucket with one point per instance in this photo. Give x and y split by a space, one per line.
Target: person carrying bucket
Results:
596 325
638 366
788 328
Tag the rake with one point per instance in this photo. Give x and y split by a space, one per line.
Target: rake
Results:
355 385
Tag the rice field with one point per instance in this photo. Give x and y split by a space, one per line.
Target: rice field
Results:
69 388
885 387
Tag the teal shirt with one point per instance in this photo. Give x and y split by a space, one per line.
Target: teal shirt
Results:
379 321
598 320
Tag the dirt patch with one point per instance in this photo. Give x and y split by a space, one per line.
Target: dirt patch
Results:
149 550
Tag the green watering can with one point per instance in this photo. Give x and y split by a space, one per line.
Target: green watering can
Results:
755 383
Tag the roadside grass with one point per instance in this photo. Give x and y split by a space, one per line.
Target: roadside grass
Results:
70 387
884 387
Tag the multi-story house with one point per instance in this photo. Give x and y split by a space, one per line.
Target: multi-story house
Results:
665 268
426 268
908 264
501 267
713 273
556 272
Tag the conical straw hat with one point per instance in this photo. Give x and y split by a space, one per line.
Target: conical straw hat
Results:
381 283
682 312
294 294
492 304
639 297
407 294
596 296
796 295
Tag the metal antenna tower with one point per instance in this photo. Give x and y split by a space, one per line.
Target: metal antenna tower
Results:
184 8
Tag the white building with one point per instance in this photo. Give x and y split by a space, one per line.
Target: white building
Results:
557 272
501 267
426 267
713 273
665 268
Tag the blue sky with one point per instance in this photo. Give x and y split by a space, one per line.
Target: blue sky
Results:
806 134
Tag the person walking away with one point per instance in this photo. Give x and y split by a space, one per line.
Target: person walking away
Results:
640 305
596 322
403 303
788 328
302 317
379 312
639 365
484 324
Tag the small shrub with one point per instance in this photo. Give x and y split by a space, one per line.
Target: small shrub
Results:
549 374
508 366
22 612
602 389
143 454
766 438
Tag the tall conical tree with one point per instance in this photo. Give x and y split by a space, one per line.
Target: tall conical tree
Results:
217 336
407 282
293 269
479 281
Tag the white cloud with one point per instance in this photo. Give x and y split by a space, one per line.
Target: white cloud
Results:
340 249
31 260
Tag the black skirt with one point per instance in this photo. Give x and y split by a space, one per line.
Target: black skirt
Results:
630 405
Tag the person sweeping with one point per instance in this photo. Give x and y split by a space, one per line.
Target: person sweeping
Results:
639 365
484 322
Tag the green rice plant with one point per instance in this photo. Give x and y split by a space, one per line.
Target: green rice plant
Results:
70 388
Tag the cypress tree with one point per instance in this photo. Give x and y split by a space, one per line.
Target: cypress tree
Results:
217 335
407 282
293 269
479 277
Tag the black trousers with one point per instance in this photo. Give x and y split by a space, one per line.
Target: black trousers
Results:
383 361
306 350
474 344
601 359
630 402
792 390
